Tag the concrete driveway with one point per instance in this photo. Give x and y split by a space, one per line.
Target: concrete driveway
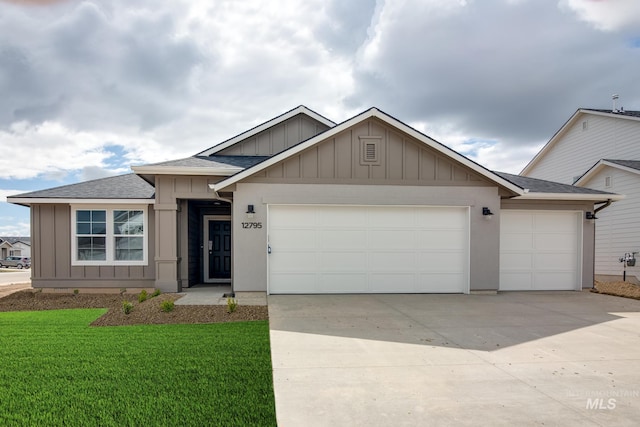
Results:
561 358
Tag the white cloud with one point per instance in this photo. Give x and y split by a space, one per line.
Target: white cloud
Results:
609 15
4 193
15 229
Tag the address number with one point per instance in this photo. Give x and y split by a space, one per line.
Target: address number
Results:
251 225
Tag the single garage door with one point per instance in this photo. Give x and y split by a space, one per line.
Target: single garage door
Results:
368 249
540 250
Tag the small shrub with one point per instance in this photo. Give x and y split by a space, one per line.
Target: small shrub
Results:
167 306
127 307
142 296
76 291
232 304
156 293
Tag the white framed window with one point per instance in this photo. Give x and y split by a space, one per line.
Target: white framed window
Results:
109 235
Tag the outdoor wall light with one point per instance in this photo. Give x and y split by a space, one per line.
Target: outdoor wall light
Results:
486 212
591 216
250 211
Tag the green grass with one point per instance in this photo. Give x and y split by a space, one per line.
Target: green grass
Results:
55 370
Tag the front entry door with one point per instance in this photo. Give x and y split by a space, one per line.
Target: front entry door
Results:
217 251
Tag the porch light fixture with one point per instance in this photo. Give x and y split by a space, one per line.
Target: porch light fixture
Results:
486 212
250 211
590 216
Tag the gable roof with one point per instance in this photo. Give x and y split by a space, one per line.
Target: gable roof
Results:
128 188
542 189
629 115
266 125
632 166
14 240
200 165
372 112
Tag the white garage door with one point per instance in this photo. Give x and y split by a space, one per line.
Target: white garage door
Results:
540 250
368 249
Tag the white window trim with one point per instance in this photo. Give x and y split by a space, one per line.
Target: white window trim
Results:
110 236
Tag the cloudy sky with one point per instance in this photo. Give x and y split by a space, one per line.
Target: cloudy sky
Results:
89 88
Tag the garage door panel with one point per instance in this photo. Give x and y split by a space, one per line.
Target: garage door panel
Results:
297 261
356 249
556 242
442 239
559 223
516 241
343 261
392 239
343 239
544 256
294 238
347 217
555 281
442 218
297 216
516 281
555 261
516 261
391 283
391 261
443 282
289 283
337 283
439 261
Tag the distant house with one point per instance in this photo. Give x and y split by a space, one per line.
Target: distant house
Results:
600 149
15 246
300 204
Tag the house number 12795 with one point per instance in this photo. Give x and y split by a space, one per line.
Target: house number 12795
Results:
251 225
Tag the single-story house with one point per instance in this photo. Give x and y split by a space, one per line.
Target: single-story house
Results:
300 204
15 246
600 149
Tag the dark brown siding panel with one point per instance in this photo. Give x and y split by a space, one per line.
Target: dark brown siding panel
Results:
36 250
292 167
326 159
63 240
427 166
395 156
343 156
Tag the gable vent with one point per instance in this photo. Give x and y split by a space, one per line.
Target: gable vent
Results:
369 150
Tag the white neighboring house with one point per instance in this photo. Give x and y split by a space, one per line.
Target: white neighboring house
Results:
15 246
600 149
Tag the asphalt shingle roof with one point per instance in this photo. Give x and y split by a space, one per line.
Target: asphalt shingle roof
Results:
214 162
129 186
633 164
542 186
620 113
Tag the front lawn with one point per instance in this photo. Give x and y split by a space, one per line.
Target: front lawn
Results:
57 370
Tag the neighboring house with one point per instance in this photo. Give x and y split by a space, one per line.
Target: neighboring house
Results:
15 246
600 149
300 204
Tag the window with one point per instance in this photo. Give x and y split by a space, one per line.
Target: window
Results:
108 236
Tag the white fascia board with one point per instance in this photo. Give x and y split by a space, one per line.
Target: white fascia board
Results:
373 112
44 200
180 170
266 125
598 167
570 197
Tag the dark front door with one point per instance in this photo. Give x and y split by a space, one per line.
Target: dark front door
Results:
219 246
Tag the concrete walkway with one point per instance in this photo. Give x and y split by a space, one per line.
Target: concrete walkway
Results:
564 358
14 280
214 295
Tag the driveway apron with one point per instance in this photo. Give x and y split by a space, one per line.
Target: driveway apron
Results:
552 358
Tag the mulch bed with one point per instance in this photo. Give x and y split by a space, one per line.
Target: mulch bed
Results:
145 313
620 289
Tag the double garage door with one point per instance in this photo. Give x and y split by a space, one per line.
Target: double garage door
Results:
368 249
393 249
540 250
